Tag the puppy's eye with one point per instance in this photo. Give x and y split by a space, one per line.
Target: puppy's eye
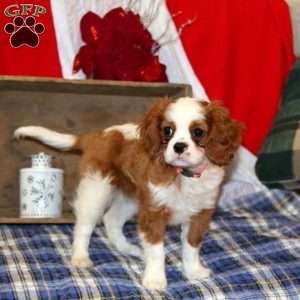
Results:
197 132
168 131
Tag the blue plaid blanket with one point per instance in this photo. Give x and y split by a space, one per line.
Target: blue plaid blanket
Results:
253 250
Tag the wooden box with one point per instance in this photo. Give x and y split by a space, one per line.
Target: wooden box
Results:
70 106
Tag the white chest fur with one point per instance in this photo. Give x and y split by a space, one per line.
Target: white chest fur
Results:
192 196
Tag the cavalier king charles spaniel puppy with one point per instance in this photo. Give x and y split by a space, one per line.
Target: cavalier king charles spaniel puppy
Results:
166 169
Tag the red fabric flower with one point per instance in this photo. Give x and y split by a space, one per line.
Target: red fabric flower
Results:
90 27
118 47
85 60
154 71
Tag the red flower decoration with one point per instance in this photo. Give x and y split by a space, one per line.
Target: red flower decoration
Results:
85 60
90 26
118 47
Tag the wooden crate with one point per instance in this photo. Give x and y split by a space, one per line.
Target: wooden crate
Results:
71 106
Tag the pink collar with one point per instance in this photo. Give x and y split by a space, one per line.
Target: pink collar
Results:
189 173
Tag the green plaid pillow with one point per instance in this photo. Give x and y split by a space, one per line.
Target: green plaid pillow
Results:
278 164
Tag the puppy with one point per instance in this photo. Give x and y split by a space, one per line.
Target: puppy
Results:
166 169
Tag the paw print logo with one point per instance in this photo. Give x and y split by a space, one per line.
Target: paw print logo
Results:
24 32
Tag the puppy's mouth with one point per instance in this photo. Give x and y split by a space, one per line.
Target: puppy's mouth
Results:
185 160
181 161
181 164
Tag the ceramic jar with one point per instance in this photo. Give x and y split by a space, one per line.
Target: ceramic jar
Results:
41 189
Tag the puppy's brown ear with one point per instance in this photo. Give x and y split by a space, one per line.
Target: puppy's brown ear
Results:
150 127
224 135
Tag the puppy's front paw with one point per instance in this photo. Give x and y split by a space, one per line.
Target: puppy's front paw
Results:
81 262
198 273
155 281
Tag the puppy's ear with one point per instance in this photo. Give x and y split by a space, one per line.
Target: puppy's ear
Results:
224 135
150 127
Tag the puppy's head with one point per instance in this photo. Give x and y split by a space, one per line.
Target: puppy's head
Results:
187 131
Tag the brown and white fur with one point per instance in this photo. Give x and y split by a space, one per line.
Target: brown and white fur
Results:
134 169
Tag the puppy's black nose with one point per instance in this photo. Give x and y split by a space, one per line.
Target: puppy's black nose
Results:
180 147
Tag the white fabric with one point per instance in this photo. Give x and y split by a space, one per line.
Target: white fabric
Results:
294 6
67 15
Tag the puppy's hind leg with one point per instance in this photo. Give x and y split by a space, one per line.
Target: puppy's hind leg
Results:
93 196
121 210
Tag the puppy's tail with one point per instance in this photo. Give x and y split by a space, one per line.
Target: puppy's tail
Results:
49 137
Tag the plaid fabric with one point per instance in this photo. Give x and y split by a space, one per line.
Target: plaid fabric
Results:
253 250
278 163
